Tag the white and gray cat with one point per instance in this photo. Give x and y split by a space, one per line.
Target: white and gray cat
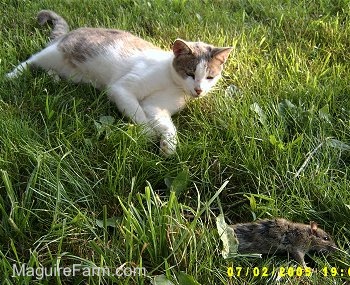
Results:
147 84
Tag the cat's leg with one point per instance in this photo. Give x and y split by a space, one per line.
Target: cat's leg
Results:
159 107
54 75
128 104
49 59
161 122
19 69
168 140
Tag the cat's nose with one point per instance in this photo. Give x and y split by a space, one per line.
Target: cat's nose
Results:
198 91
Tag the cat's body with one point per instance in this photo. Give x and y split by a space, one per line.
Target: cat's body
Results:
146 83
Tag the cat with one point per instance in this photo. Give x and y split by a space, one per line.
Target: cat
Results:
146 83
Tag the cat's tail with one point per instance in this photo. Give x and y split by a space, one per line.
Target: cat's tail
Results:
60 26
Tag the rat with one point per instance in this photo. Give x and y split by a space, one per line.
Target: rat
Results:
282 236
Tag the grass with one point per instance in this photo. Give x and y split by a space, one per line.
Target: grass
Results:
80 185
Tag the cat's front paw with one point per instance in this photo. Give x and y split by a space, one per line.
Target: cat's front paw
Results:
168 145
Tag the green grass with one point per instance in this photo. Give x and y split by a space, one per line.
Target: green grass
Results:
79 183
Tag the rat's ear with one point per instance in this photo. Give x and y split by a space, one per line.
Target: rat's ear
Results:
313 226
181 47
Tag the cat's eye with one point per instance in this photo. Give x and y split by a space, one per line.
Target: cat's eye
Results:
210 77
190 74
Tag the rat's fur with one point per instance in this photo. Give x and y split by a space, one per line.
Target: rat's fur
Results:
146 83
280 235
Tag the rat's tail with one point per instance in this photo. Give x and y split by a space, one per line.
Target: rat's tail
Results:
60 26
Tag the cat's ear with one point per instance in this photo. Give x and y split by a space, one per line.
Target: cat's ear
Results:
181 47
221 54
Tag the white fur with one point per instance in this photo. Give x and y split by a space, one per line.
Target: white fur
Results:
201 81
144 86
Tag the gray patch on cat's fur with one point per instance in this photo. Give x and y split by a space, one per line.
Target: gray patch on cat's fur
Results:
60 26
84 43
186 63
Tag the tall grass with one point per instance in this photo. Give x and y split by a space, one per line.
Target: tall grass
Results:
81 185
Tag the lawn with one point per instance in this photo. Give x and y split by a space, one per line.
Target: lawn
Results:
81 186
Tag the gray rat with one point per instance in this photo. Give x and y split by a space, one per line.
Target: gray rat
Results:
280 235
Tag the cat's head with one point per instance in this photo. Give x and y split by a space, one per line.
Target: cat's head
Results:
199 65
